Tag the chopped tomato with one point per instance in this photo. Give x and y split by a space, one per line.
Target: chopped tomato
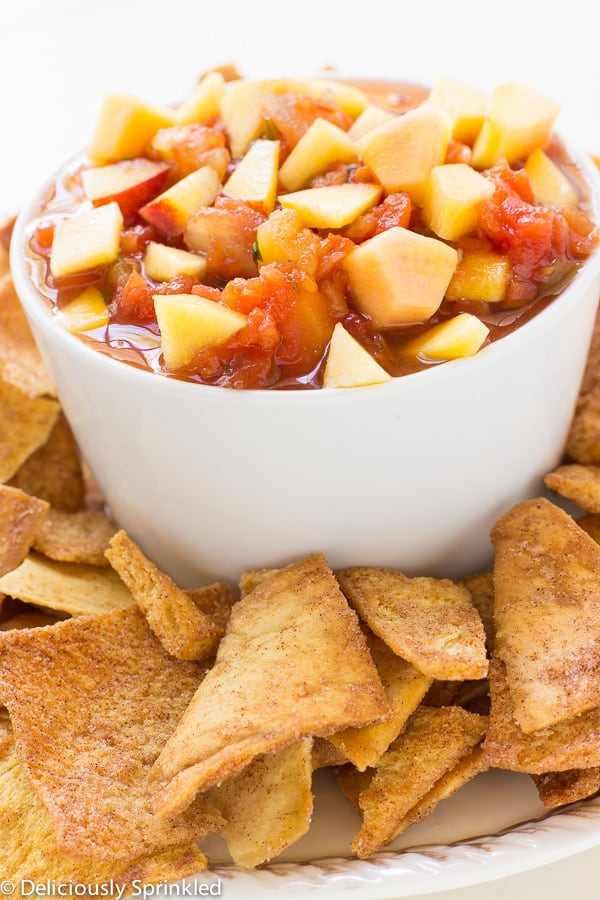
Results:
293 114
190 147
134 298
394 211
458 153
226 233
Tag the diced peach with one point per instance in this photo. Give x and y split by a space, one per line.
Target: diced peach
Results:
465 106
242 112
254 180
189 323
400 277
333 206
519 119
226 232
86 241
284 238
204 103
320 148
460 336
87 311
371 117
162 263
125 127
550 186
481 275
453 194
170 211
402 153
349 364
130 182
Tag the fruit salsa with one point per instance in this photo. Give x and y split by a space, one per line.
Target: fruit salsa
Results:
311 233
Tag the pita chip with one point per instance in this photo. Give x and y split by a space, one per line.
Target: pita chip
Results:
215 600
293 663
559 788
21 518
79 537
581 484
25 423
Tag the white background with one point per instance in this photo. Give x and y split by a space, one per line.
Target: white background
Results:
58 58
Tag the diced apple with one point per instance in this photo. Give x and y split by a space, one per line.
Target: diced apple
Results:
400 277
204 103
320 147
125 127
371 117
87 311
254 180
87 241
189 323
550 186
333 206
284 238
453 194
481 275
465 106
403 152
460 336
349 364
170 211
519 119
161 263
130 182
242 113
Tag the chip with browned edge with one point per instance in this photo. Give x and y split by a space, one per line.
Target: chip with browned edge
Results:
215 600
559 788
583 440
581 484
293 663
21 518
80 537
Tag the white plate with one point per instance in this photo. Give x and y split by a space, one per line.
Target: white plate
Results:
493 827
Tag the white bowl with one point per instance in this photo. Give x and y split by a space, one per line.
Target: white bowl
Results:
408 474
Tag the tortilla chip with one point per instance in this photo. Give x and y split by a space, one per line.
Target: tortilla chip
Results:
54 471
325 755
25 423
481 589
20 361
79 537
215 600
28 848
33 619
471 695
591 525
293 663
429 622
66 587
547 610
572 744
251 579
559 788
432 745
581 484
21 517
583 441
180 625
268 806
404 688
92 700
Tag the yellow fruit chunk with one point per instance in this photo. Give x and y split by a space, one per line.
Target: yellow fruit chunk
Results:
480 275
161 263
204 103
242 113
519 119
349 364
86 312
170 211
284 238
371 117
403 152
125 127
189 323
319 148
550 186
453 194
465 106
86 241
254 180
349 98
333 206
461 336
399 277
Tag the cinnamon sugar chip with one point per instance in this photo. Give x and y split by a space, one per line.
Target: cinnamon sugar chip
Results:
325 755
80 537
559 788
92 700
429 622
547 609
25 424
21 517
583 440
215 600
591 524
481 589
33 619
581 484
293 663
251 579
20 361
185 631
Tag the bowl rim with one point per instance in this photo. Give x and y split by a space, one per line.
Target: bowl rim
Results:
39 313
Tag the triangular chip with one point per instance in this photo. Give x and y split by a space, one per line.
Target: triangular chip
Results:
268 806
25 423
559 788
481 589
92 700
547 611
184 630
20 361
66 587
583 440
572 744
293 663
80 537
581 484
215 600
430 622
325 755
21 518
